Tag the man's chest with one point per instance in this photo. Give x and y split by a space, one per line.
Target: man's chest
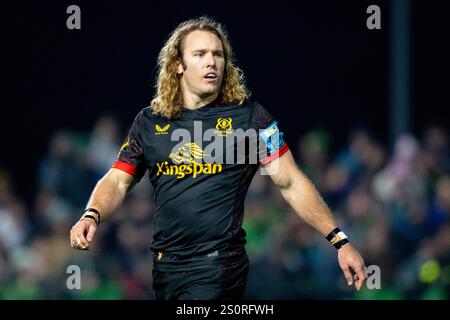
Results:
210 139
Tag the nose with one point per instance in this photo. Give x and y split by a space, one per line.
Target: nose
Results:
210 60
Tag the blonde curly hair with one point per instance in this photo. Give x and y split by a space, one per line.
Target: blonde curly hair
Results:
168 100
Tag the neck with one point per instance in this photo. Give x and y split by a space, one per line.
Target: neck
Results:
193 101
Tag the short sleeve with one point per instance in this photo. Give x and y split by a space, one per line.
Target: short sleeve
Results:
271 144
131 155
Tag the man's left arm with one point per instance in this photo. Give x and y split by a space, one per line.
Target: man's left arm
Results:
306 201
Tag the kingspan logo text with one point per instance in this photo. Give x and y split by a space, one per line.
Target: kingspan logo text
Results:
193 169
186 159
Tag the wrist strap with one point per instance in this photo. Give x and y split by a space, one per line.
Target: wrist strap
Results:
89 217
95 211
337 238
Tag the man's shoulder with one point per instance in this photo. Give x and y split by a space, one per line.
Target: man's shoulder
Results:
254 105
146 111
260 116
258 112
148 114
250 105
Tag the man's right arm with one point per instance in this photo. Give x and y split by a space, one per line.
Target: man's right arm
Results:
106 198
110 191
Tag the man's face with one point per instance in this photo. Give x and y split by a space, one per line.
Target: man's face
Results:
203 64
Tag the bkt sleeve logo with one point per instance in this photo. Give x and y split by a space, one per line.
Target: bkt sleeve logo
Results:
224 127
272 137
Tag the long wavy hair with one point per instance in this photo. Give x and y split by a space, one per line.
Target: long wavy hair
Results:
168 99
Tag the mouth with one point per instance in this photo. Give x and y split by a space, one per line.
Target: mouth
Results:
210 76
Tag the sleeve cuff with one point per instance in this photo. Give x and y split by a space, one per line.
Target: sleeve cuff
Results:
276 154
128 168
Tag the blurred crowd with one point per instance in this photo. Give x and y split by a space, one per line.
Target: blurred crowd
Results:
392 202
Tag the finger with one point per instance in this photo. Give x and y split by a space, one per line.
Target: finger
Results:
360 278
91 232
73 239
73 244
80 246
364 268
81 241
348 275
357 282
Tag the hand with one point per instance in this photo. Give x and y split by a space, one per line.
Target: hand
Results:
82 234
350 260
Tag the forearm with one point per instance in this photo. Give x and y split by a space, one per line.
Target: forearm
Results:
304 198
306 201
107 196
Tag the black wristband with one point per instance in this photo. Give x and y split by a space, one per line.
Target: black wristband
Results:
333 233
337 238
97 212
90 217
341 243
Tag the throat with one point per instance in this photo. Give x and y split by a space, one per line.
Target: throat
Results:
196 102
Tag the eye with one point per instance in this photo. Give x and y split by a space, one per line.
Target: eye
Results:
198 54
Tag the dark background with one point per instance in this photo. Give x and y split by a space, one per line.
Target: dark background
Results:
312 64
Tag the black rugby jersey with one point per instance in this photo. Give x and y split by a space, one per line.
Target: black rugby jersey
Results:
200 170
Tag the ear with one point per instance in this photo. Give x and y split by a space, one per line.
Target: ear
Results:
180 68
